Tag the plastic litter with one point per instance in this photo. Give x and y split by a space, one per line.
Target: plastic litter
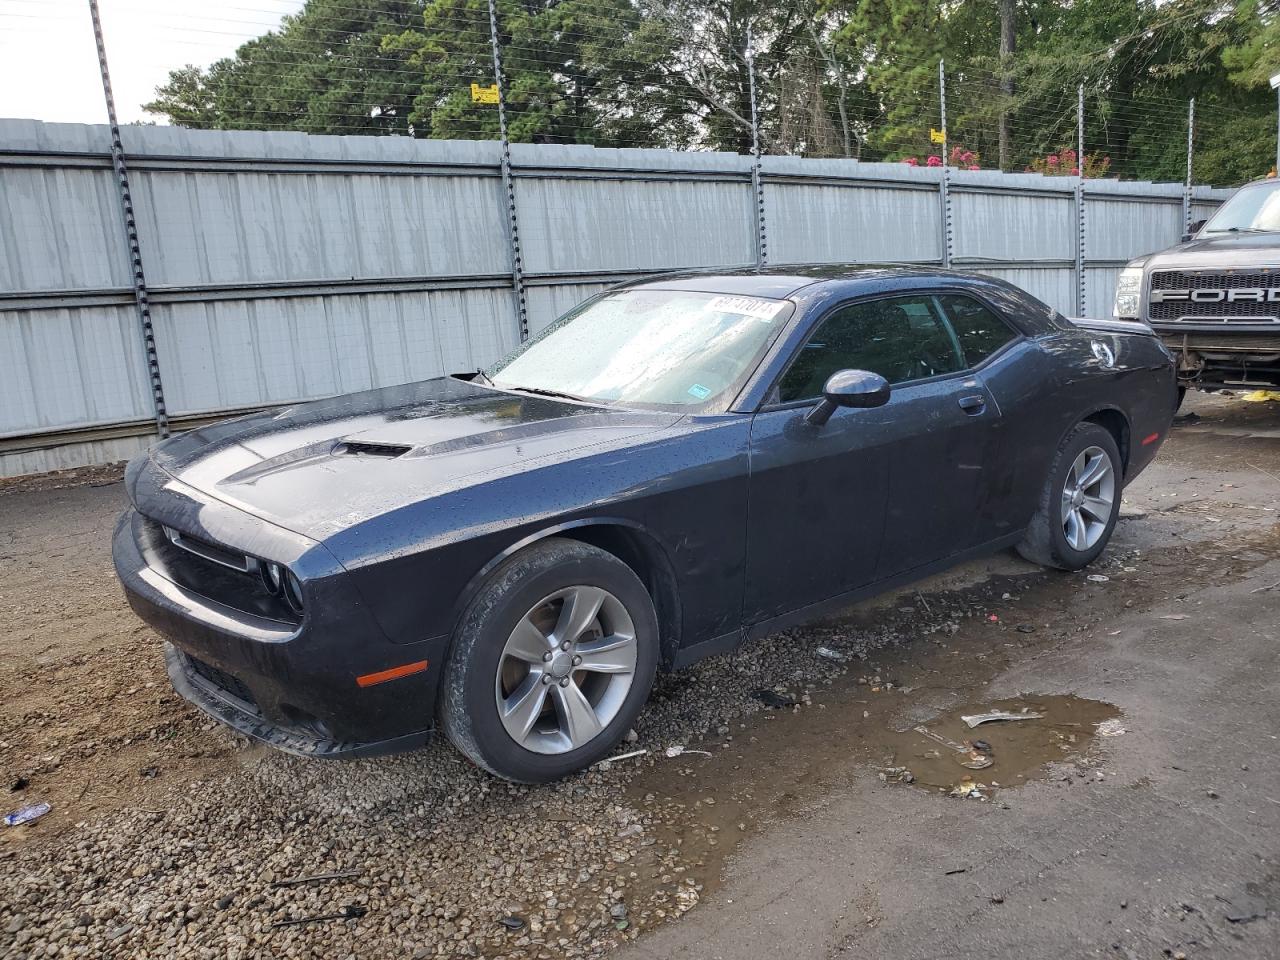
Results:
26 814
1097 578
966 789
679 750
970 758
317 878
992 716
350 912
621 756
828 654
1111 728
771 698
512 923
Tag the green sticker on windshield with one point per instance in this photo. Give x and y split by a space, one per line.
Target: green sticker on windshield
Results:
699 391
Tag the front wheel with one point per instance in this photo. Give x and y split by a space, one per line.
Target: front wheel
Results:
1080 501
551 662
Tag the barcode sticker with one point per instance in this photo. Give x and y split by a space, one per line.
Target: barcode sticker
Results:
755 307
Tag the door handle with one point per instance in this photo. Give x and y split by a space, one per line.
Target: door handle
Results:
973 404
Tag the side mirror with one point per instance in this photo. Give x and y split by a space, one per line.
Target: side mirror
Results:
1193 230
849 388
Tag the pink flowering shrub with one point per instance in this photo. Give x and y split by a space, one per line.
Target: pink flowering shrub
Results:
959 157
1065 164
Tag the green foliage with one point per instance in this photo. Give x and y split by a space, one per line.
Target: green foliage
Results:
833 77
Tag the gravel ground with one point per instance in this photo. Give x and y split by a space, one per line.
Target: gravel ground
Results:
171 837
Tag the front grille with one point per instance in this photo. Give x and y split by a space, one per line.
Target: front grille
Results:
222 680
1210 343
1239 311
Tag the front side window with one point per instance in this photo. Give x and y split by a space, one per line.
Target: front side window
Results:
980 332
663 348
901 338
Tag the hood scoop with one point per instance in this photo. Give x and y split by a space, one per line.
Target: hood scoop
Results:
357 448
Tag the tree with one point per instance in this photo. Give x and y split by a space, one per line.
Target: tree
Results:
323 71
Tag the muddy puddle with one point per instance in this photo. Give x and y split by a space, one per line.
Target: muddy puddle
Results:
786 760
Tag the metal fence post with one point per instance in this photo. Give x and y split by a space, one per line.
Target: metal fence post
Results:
140 296
513 223
1186 193
757 183
944 185
1082 296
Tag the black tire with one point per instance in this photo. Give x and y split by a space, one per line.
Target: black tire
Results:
469 713
1046 540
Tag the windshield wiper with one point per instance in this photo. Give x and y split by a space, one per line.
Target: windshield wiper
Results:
1245 230
541 392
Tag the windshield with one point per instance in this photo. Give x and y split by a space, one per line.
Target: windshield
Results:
669 348
1251 210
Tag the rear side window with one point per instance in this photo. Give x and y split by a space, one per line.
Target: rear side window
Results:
980 331
901 338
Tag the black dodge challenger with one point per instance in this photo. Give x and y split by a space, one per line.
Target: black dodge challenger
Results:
671 468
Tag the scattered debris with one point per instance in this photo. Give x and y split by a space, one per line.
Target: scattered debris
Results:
897 775
621 756
966 789
631 736
679 750
1111 728
982 745
952 873
20 784
26 814
317 878
1245 912
972 759
992 716
1098 578
512 922
771 698
1026 628
618 911
149 773
828 654
1174 616
351 911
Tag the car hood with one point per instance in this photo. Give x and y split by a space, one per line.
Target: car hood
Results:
1232 250
318 468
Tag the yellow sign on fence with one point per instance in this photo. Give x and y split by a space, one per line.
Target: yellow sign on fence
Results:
935 136
481 94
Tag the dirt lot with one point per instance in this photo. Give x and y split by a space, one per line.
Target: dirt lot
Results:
825 829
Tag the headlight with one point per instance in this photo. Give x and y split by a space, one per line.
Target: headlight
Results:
1128 293
281 582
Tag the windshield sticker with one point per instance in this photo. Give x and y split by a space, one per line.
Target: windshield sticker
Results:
764 310
698 391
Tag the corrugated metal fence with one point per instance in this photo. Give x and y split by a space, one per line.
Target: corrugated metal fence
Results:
283 266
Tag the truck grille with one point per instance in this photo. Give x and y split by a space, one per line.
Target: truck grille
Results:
1224 311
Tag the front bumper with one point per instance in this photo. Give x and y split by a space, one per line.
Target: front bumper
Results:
1223 357
292 686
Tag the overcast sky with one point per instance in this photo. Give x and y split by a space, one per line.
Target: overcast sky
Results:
49 68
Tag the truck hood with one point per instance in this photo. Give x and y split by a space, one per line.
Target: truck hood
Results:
318 468
1221 251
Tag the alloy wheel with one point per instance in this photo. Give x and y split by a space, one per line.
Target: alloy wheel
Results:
566 669
1087 498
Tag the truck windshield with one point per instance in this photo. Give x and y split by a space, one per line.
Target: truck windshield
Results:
663 348
1253 209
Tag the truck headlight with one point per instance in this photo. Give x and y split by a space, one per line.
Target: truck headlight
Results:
1128 293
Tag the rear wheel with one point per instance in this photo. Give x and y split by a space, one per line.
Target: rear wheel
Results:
551 662
1080 501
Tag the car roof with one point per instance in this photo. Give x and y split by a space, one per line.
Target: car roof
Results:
784 281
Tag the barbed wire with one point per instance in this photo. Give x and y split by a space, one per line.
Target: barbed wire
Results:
646 79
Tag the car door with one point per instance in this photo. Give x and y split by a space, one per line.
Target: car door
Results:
874 491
